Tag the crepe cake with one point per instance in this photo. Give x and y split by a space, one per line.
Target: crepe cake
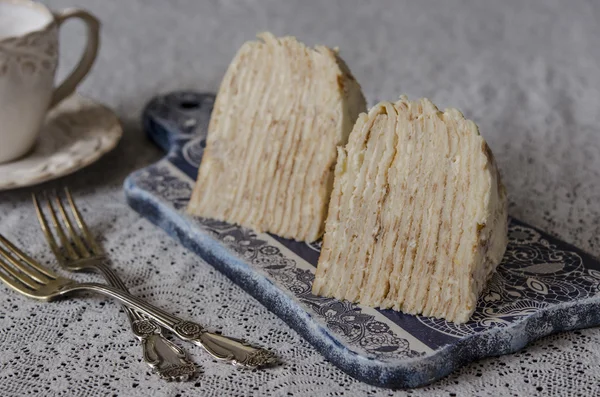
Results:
418 215
280 113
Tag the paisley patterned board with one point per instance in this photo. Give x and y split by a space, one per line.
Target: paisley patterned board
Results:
542 286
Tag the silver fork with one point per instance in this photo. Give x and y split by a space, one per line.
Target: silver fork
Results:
28 277
163 356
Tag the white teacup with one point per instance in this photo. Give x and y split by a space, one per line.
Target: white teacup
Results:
28 63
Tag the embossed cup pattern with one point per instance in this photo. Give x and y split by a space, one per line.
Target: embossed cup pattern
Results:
28 63
27 68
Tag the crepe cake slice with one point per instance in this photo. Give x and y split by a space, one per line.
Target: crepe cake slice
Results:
281 111
418 215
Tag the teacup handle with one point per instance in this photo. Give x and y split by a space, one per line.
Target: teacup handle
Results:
68 86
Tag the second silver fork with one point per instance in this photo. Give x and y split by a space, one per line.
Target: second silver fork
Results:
163 356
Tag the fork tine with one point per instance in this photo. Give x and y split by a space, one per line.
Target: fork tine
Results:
83 251
27 259
61 233
44 225
20 275
89 239
8 277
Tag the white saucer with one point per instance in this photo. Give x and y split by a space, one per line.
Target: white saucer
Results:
76 133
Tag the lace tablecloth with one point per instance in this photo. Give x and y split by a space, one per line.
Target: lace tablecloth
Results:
527 73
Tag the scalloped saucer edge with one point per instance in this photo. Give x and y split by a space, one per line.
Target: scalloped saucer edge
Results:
76 134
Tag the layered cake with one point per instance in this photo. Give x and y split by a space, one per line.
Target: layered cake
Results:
418 215
280 113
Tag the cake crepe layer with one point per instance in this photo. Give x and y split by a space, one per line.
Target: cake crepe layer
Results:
281 111
418 215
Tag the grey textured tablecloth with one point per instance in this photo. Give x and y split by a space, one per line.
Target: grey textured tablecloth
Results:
528 72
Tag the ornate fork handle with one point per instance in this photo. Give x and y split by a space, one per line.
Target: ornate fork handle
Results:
236 351
168 360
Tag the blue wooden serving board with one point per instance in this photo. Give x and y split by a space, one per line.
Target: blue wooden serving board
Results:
542 286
